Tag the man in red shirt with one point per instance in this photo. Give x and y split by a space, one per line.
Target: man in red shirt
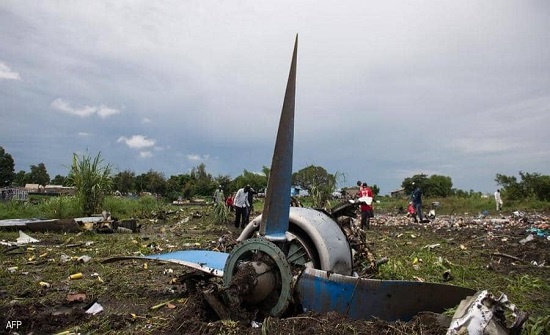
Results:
366 198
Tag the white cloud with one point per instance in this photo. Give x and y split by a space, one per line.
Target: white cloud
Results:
137 141
63 106
146 120
145 154
84 134
482 145
105 111
7 73
195 157
84 111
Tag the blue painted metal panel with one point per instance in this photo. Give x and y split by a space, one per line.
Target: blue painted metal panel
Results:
205 260
366 299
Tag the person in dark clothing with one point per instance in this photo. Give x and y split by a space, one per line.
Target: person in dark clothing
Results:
416 198
250 207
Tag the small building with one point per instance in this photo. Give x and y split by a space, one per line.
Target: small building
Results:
50 189
34 188
60 189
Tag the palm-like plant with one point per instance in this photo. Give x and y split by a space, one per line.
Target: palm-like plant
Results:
92 179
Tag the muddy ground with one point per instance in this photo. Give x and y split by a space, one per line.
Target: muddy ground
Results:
144 297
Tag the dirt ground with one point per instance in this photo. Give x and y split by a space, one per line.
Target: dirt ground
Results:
144 297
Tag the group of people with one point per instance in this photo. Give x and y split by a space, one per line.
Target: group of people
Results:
241 202
415 206
365 198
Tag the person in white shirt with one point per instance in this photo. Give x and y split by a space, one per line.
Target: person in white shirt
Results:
240 202
498 200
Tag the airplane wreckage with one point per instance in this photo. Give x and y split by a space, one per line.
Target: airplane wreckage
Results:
291 260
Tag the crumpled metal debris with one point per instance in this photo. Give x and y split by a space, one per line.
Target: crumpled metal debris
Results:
484 314
24 238
94 309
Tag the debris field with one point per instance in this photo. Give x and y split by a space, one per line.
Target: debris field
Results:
60 284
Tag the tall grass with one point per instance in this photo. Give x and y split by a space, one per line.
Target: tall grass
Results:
144 206
92 179
61 207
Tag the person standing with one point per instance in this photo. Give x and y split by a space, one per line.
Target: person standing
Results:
229 202
250 208
366 197
416 198
240 202
218 196
498 200
360 186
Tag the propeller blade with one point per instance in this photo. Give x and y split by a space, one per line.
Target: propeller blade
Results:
274 222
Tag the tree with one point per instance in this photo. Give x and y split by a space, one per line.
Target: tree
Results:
152 181
257 181
532 185
318 182
375 189
418 180
124 182
511 189
224 181
156 183
203 183
179 185
434 186
92 180
21 179
536 185
39 175
59 180
313 177
7 168
439 186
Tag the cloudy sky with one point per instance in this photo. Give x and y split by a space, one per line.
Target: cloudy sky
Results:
385 90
